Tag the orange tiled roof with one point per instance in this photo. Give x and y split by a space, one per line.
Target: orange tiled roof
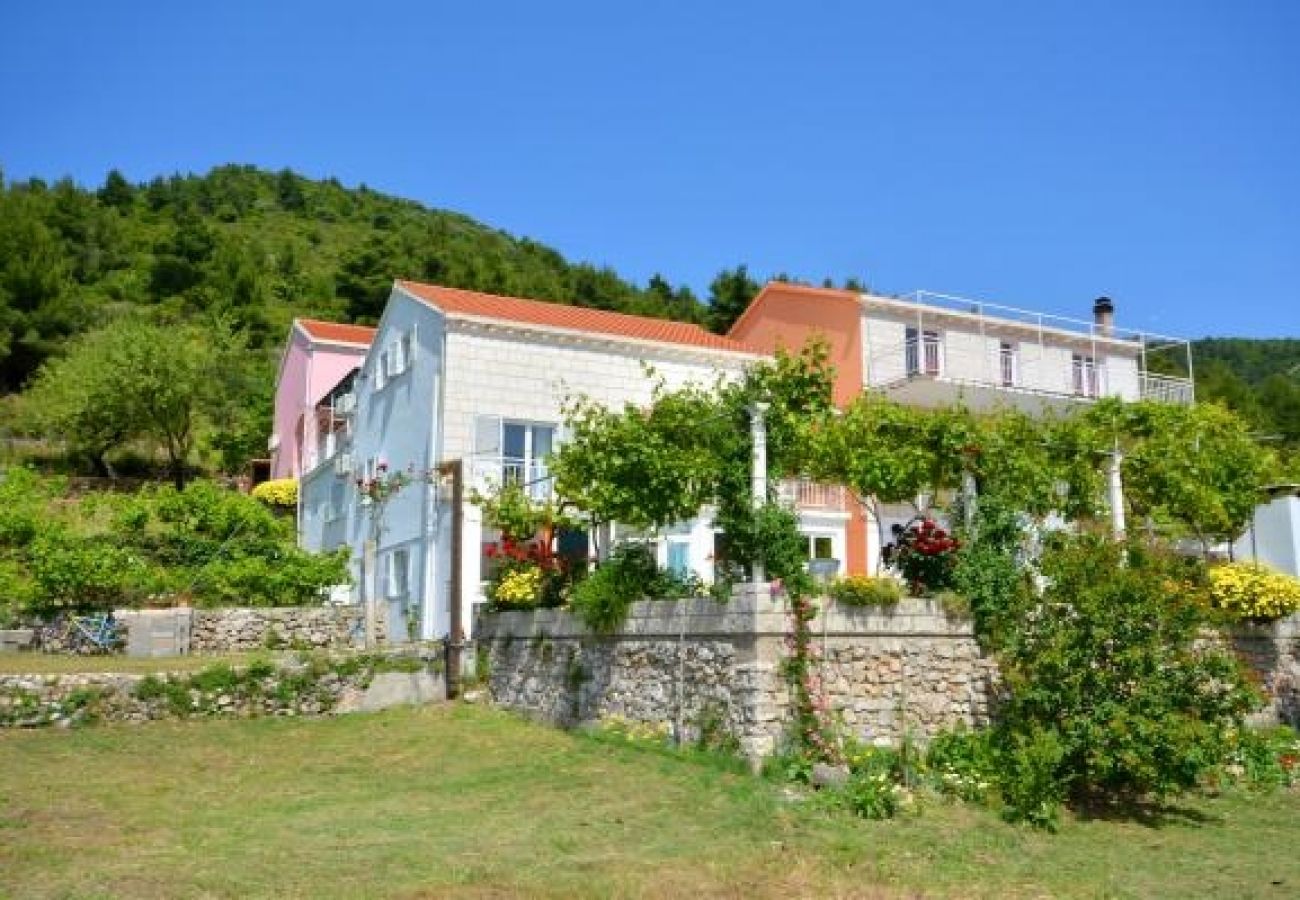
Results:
455 301
337 332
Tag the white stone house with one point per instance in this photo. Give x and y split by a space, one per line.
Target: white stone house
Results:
460 375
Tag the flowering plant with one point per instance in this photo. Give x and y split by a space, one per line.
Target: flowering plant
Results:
1250 592
532 564
383 485
926 554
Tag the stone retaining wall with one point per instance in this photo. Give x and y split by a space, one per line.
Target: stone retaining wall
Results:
1272 652
910 670
299 627
294 687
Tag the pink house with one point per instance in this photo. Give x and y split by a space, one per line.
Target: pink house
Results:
318 356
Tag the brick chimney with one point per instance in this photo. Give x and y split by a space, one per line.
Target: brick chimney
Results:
1103 314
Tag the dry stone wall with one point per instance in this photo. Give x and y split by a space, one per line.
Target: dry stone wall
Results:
301 627
1272 652
911 670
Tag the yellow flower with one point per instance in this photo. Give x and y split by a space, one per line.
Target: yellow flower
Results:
1249 591
519 587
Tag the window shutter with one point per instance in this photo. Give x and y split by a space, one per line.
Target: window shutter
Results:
411 345
487 436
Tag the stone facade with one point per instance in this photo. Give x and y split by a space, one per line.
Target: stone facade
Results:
292 687
299 628
910 670
1272 652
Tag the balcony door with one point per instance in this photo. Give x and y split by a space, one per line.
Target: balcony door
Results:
924 352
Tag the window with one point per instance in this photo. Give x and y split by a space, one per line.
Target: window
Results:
679 557
334 506
1085 375
924 352
819 546
395 359
399 573
1007 364
519 448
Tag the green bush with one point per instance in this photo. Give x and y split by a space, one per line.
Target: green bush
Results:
873 795
84 574
23 497
962 763
630 574
864 590
1109 695
287 578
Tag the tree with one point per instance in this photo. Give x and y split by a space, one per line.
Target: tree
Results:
132 379
1197 467
117 192
730 294
76 397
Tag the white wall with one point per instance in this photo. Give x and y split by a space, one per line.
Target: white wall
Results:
971 353
529 376
1276 538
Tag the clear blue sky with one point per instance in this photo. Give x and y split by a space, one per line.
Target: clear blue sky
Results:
1038 152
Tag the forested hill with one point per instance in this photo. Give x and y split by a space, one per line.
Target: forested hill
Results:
253 249
257 248
1258 378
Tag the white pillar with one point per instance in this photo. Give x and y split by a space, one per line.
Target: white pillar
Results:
1115 492
368 586
758 471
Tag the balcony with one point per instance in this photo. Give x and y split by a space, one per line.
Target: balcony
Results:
1167 389
812 496
490 472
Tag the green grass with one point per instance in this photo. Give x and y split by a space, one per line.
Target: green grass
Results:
57 664
465 800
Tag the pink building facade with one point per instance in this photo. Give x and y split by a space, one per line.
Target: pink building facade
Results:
317 357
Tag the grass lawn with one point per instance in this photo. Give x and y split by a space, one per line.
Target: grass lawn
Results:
467 800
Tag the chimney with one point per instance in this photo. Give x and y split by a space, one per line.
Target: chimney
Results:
1103 314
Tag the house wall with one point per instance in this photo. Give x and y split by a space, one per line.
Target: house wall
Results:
308 372
1274 538
972 354
397 425
290 401
787 316
527 377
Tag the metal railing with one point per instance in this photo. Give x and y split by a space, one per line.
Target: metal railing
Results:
803 493
488 472
1168 389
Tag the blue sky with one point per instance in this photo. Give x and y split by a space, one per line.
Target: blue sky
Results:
1034 152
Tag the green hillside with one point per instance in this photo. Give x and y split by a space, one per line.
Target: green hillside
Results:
1258 378
256 248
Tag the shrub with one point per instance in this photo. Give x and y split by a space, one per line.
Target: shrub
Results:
1266 758
287 578
23 495
962 764
874 796
1247 592
926 554
1109 695
279 493
864 590
630 574
84 574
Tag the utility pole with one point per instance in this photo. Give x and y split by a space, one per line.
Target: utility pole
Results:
758 471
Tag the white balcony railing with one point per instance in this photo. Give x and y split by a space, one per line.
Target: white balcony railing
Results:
488 472
1168 389
811 495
